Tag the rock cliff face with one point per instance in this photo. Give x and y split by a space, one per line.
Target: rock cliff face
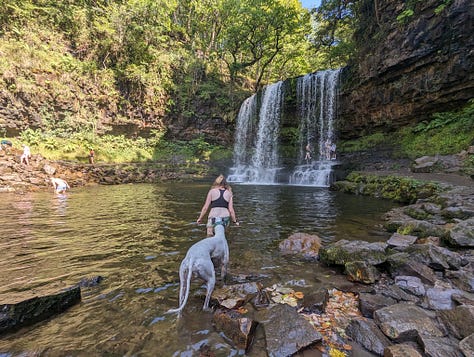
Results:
406 71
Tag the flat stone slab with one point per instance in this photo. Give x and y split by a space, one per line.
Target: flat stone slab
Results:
368 303
401 240
366 333
439 346
405 322
287 331
411 284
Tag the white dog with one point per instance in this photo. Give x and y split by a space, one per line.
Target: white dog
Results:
198 263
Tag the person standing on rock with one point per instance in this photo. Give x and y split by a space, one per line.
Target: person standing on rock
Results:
60 186
220 200
25 157
91 155
308 153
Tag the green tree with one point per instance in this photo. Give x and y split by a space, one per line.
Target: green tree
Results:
256 32
332 36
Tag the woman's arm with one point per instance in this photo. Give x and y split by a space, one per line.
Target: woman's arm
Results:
231 210
205 207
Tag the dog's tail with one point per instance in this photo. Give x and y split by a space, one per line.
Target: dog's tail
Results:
188 276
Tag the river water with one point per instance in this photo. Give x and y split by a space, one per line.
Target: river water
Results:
135 236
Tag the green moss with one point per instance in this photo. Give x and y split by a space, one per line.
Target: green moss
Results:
417 213
399 189
363 143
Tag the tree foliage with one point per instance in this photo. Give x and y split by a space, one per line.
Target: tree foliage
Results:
172 54
333 26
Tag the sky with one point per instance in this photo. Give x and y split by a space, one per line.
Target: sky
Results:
310 4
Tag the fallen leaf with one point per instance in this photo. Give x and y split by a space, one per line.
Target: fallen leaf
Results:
299 295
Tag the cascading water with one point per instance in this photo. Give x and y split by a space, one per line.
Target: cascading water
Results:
256 157
316 95
258 163
246 121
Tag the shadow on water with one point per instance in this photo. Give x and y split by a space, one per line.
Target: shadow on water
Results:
136 236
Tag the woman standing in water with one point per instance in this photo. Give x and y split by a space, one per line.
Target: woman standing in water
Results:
220 200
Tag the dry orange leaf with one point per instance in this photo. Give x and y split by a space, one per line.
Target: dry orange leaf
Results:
299 295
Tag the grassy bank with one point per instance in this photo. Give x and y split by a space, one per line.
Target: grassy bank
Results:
120 149
446 133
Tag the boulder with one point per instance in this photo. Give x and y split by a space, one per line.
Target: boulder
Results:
401 240
437 258
315 302
459 321
462 278
467 345
424 164
411 284
462 234
420 228
368 303
440 298
435 346
49 169
405 322
287 332
236 327
458 212
403 264
361 271
344 251
234 296
304 244
397 293
366 333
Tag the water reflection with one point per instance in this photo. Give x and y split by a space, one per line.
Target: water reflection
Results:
136 236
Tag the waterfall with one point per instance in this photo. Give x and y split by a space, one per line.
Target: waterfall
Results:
245 127
256 156
316 96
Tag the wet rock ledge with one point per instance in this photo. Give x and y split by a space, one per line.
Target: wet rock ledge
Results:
16 177
421 280
414 292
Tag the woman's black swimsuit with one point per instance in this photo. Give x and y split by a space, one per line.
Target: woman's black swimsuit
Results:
220 201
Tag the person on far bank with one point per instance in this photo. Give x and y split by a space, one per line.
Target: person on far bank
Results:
60 186
91 155
25 157
220 200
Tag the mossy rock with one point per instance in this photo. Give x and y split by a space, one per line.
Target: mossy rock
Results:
422 229
417 213
344 186
399 189
344 251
